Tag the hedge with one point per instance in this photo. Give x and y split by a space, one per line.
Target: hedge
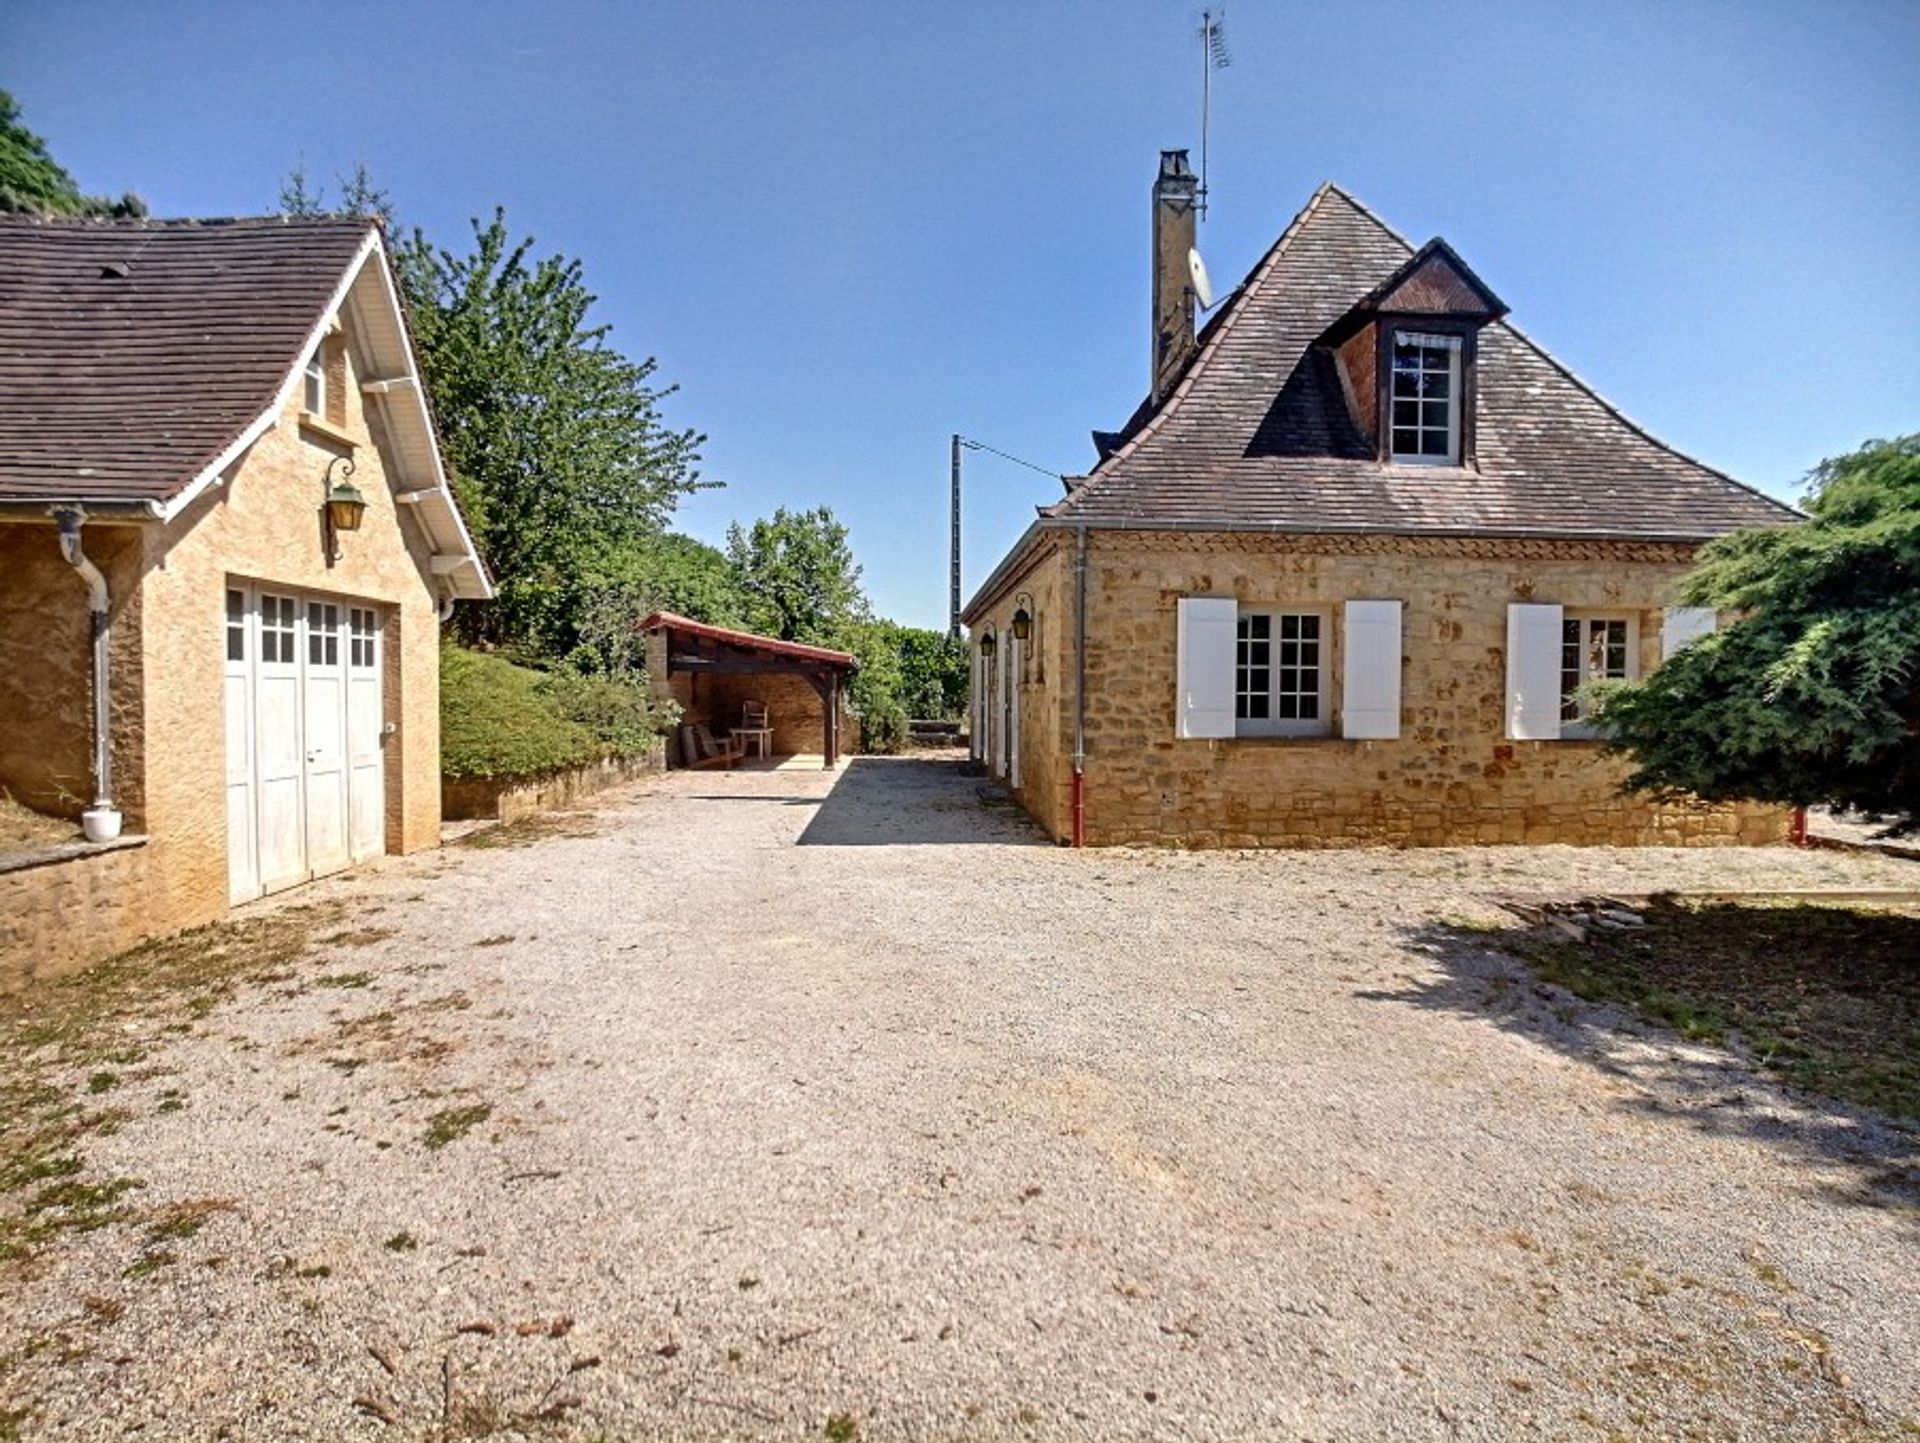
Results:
497 720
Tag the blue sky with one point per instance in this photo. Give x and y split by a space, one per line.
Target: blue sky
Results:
847 230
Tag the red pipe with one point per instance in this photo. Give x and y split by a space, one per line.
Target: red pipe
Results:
1798 835
1079 809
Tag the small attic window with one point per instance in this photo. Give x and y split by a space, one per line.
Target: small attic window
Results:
1425 396
315 402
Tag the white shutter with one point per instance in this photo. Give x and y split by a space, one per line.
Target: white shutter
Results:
1203 673
1533 672
1370 690
1684 625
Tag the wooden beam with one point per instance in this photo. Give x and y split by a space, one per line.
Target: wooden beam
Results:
742 666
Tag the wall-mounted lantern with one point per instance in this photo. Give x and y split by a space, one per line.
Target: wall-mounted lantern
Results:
1022 617
345 506
988 645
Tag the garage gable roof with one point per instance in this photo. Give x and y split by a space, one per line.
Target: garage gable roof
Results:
140 359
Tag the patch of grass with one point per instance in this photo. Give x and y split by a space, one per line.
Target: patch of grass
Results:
61 1040
345 979
402 1242
359 937
529 830
841 1428
498 940
314 1270
148 1263
453 1124
176 1222
1827 997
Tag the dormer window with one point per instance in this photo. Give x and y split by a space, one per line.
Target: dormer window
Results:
1425 395
315 401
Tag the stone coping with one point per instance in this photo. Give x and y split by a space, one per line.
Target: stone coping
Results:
66 852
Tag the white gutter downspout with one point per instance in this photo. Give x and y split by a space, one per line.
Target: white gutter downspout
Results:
102 820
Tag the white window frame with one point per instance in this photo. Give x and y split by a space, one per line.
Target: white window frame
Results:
1451 346
314 398
1573 722
1318 725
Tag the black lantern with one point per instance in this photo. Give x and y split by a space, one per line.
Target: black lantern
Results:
1022 617
988 644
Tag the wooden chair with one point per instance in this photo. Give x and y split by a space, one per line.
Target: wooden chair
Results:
755 728
700 748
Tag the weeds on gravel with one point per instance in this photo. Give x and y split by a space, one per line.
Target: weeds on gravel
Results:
56 1036
1826 997
540 827
453 1124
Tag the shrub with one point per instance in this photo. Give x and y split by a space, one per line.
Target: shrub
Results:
496 720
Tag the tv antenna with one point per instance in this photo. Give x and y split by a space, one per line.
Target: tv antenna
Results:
1214 55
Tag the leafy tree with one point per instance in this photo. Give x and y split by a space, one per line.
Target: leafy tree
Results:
935 672
677 573
555 440
800 577
1813 696
32 181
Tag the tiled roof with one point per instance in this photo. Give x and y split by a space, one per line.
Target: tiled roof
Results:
133 353
747 640
1257 434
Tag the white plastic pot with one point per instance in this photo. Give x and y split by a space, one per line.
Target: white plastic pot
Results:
102 824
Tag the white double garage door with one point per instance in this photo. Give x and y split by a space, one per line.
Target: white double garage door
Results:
306 784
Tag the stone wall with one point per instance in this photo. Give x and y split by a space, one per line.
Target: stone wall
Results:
59 915
508 799
794 708
46 669
1451 777
1044 668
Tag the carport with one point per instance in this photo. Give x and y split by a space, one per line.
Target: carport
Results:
713 673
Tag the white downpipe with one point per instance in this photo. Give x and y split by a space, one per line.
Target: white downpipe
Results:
71 519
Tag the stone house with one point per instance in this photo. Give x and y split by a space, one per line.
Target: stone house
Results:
1339 578
227 544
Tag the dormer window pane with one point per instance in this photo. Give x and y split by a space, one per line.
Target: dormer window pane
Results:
315 400
1426 398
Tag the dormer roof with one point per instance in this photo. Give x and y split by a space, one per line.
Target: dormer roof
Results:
1257 434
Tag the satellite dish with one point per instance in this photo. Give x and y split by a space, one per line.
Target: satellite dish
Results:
1202 287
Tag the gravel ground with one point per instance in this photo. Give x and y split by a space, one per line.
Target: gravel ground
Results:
848 1108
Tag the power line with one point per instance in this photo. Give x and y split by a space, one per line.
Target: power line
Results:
1009 456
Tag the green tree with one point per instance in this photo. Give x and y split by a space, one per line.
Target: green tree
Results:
677 573
299 196
32 181
555 440
1813 695
800 577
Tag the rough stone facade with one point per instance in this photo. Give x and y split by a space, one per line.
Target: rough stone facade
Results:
1452 777
261 524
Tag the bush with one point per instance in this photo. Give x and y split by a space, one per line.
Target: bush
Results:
618 710
497 721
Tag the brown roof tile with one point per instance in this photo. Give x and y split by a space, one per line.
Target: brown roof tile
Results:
1257 434
132 353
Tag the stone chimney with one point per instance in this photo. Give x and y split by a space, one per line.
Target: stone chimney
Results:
1175 193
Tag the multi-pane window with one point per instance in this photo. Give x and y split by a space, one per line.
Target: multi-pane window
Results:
236 626
323 634
315 399
1426 398
1592 648
278 620
1278 667
360 635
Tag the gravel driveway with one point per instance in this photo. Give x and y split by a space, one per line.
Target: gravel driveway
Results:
775 1104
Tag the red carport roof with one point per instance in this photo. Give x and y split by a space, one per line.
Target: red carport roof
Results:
669 621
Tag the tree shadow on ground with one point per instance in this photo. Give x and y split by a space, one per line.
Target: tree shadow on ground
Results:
915 801
1852 1154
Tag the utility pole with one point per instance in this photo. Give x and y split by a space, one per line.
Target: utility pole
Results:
953 575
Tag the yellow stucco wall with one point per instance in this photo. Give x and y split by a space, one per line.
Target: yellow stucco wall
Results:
1451 777
260 525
